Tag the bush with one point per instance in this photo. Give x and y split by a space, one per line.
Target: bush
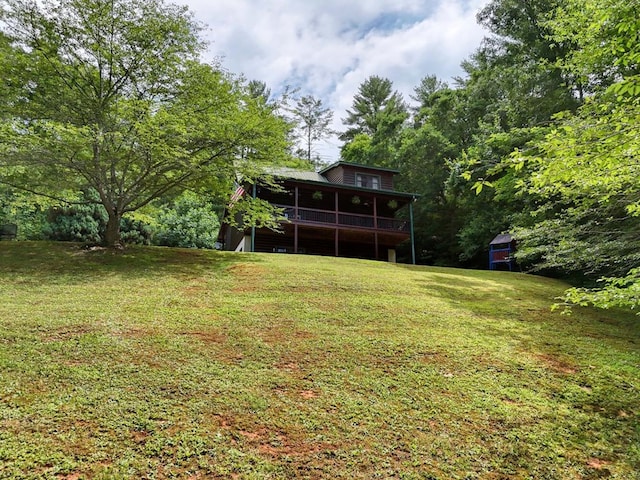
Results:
76 223
190 222
87 223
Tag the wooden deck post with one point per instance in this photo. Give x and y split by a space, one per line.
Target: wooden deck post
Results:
375 225
335 234
253 228
376 244
413 243
295 218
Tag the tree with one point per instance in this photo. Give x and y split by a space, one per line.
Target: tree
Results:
114 98
585 171
512 89
259 89
425 95
313 121
378 112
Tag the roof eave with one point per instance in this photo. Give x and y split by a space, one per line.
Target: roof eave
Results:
358 165
342 186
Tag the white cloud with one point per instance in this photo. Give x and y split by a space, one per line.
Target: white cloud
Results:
327 48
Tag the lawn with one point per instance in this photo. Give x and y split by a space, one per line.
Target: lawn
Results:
166 363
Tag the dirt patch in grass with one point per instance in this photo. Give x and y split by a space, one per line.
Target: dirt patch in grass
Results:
309 394
139 436
288 366
557 364
432 358
281 444
268 441
248 277
597 463
195 287
283 333
208 337
66 333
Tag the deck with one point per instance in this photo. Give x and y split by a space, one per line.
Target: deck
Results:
337 219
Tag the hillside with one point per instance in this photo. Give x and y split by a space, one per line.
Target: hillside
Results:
161 363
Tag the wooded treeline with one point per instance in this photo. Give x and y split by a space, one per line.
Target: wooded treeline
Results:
540 138
110 114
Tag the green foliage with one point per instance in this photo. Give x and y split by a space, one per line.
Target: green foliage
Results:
86 222
585 170
358 150
623 291
513 88
76 223
378 113
421 158
134 231
255 212
114 98
605 33
25 210
190 221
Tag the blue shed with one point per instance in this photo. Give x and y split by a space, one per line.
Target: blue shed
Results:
501 250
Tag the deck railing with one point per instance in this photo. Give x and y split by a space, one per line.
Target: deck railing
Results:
327 217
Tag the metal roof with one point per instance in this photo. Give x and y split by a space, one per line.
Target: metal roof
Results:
502 238
296 174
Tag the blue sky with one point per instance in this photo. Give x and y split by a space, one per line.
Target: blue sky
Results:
327 48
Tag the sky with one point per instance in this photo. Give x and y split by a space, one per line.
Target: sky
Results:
327 48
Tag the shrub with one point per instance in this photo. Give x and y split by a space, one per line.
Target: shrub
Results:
190 222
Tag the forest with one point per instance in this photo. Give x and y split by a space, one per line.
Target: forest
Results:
114 131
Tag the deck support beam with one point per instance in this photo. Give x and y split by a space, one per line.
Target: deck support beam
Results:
254 192
295 217
413 242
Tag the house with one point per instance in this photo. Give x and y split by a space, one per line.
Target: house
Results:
345 210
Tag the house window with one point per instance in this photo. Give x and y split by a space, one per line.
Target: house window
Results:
368 181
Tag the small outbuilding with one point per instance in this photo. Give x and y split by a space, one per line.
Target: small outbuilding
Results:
8 231
501 250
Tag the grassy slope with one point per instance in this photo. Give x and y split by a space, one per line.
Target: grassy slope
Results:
161 363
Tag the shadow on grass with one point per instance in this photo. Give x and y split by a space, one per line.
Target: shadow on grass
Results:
54 262
504 296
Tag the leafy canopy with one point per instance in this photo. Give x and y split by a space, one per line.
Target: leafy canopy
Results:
111 95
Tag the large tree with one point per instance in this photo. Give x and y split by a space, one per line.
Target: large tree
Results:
113 97
512 89
313 122
376 118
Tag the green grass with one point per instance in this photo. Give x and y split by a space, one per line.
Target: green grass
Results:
160 363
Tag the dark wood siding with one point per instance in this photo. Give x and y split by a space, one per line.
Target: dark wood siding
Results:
346 175
336 175
387 181
349 177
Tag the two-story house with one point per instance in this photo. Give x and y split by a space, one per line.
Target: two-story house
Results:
345 210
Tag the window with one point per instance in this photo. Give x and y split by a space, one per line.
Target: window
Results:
368 181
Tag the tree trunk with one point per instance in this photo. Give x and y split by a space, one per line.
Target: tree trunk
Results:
112 232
